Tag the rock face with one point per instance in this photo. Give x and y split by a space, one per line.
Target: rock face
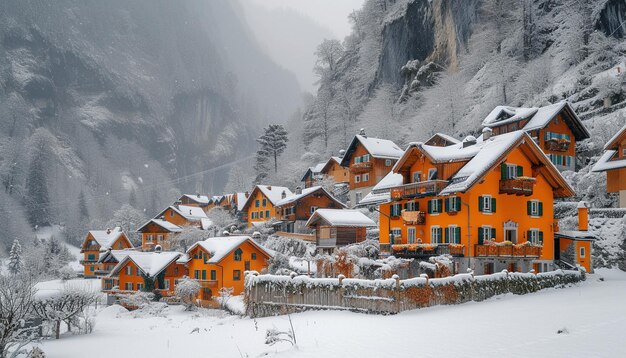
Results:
427 31
183 80
612 18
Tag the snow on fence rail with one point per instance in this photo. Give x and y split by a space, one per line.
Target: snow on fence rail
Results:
268 295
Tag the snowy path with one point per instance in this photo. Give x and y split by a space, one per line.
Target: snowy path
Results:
507 326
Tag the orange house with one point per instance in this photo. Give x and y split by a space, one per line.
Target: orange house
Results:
489 203
146 271
222 261
260 207
101 240
613 162
312 175
575 247
198 200
157 232
333 169
295 210
555 128
336 228
183 215
441 140
368 160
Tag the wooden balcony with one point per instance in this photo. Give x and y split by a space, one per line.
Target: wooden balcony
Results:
514 251
90 248
517 186
417 190
361 167
413 217
88 262
207 284
557 145
427 250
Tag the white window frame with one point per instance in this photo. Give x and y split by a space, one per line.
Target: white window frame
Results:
149 238
435 203
582 252
365 158
452 201
432 172
313 208
357 179
388 162
534 208
416 175
511 171
159 237
127 285
487 203
411 235
534 236
139 286
365 177
395 231
411 206
487 232
433 236
166 284
129 271
357 197
624 152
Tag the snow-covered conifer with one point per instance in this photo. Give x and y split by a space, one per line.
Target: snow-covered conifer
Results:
16 264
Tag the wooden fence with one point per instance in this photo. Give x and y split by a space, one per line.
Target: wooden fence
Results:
268 295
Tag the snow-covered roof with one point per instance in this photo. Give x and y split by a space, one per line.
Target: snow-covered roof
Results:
118 255
206 223
162 223
192 213
373 198
200 199
376 147
539 117
605 163
150 263
220 247
241 200
341 217
612 143
576 235
313 170
389 181
106 238
443 136
306 192
272 193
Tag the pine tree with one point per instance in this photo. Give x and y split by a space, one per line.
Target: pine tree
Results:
37 200
16 264
83 211
260 166
272 143
132 198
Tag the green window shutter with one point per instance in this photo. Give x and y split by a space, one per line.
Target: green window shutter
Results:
458 235
406 206
481 207
528 235
529 209
430 206
417 206
493 233
493 205
447 202
458 203
439 231
540 236
540 209
204 274
503 171
480 236
439 204
520 171
447 235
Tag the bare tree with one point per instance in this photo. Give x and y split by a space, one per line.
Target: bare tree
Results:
64 307
187 289
328 54
16 298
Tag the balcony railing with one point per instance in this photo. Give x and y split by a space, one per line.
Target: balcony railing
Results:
557 145
326 242
518 251
413 217
517 186
207 283
422 250
417 190
88 261
361 167
90 248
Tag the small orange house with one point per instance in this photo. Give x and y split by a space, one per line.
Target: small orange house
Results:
295 210
222 261
575 247
333 169
613 162
488 203
198 200
368 160
336 227
555 128
312 175
183 215
157 232
146 271
101 240
260 207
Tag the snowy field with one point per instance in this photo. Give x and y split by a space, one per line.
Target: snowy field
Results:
592 316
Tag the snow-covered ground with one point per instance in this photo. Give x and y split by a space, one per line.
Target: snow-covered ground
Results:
50 288
591 314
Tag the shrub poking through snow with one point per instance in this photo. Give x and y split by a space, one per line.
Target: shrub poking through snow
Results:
186 290
226 293
273 335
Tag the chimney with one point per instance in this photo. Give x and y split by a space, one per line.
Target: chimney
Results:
247 194
362 132
342 153
108 231
469 141
298 190
197 195
487 132
189 211
269 187
583 216
162 217
283 195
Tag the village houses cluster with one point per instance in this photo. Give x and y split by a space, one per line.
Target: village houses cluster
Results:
487 202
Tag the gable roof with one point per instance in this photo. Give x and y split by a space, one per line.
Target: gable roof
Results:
106 238
606 162
191 213
376 147
162 223
150 263
271 192
200 199
220 247
341 218
380 192
449 139
114 255
615 141
306 192
538 117
241 200
313 170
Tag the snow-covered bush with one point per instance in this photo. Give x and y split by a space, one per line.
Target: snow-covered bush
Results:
67 273
16 298
66 306
186 290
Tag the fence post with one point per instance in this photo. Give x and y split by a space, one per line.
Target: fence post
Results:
397 289
341 296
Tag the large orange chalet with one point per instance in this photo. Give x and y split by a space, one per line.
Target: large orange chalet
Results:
613 162
368 160
295 210
555 128
489 203
260 206
101 240
222 261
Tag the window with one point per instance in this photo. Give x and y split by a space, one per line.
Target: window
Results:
357 196
534 208
236 275
91 257
196 274
366 177
267 214
411 235
357 178
453 204
213 275
257 203
435 235
264 202
534 236
388 162
417 177
486 233
149 238
434 206
486 204
453 234
238 254
128 286
171 212
166 285
203 274
623 152
313 208
129 271
582 252
253 256
395 210
432 174
366 158
411 206
511 171
92 268
261 215
140 287
396 233
159 237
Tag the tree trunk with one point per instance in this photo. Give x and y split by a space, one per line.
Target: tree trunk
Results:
275 162
58 329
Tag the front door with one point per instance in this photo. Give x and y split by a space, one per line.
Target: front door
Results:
488 269
411 235
511 235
